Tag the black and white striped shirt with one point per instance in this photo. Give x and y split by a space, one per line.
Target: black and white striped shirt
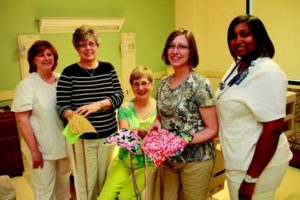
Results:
77 87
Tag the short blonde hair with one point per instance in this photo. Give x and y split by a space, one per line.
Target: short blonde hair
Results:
141 72
82 33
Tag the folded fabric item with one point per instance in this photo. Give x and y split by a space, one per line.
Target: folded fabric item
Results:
127 139
71 137
161 144
77 126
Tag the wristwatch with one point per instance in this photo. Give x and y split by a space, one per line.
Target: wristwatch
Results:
249 179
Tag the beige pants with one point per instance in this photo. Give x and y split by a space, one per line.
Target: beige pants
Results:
52 181
7 190
191 180
89 179
265 187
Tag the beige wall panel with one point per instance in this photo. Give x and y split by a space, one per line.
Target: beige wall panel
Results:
282 20
209 20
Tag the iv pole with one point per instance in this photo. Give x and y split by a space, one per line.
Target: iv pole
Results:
249 7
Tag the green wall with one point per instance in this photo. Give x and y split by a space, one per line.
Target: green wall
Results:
152 21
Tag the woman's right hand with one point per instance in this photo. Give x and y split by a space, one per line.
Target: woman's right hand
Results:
155 126
37 159
68 114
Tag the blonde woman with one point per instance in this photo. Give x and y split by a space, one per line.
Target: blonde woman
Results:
137 114
90 88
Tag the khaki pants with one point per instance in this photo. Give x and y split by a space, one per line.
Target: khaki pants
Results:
189 179
89 181
7 190
265 187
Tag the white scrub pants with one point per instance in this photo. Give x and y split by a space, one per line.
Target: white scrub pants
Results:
90 166
52 181
265 187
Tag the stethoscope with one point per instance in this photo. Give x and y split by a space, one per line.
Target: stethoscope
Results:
237 79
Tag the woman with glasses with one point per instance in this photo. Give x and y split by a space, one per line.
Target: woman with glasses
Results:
251 104
125 179
185 102
90 88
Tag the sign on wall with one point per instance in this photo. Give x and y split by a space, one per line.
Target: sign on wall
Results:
24 43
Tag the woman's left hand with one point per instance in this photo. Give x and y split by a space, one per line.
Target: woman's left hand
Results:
141 133
246 191
88 109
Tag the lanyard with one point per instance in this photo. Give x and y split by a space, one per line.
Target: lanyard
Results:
222 84
237 79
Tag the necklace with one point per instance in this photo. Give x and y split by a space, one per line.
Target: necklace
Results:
89 71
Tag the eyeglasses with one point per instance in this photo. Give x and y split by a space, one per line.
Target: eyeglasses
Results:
142 84
86 45
179 47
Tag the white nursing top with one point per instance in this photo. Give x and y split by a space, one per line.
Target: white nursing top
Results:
260 97
34 94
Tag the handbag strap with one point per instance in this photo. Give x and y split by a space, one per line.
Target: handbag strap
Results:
85 168
161 173
136 189
145 177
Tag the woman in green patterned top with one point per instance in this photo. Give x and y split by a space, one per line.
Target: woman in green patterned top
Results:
137 114
185 102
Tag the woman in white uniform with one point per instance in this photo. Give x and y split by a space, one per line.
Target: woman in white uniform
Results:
42 140
251 103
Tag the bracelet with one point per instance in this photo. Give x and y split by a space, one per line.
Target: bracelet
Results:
101 105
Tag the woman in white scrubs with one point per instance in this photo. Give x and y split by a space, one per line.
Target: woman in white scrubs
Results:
251 103
42 140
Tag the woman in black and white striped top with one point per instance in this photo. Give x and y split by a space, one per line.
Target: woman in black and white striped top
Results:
90 88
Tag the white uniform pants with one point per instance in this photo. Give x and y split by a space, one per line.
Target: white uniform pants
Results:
52 181
265 187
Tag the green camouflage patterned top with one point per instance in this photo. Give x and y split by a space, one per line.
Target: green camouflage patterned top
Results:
178 109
